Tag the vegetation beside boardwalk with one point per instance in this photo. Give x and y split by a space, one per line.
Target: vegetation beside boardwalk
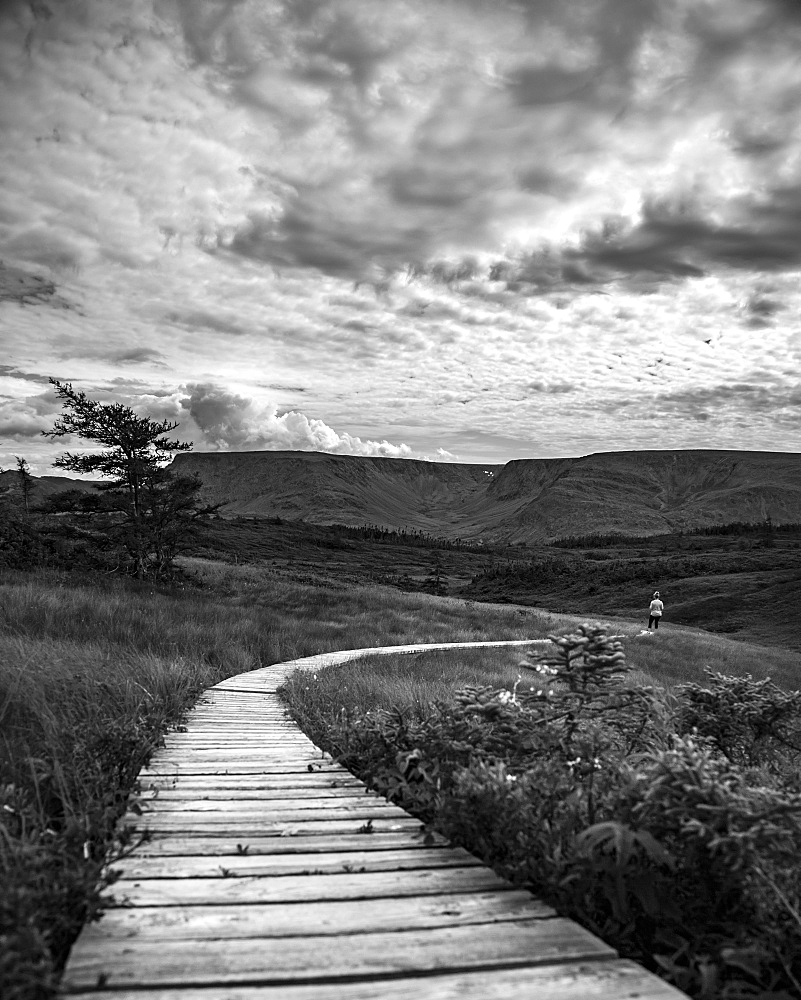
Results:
93 670
95 667
666 819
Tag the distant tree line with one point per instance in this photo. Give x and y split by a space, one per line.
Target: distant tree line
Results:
617 538
414 538
559 570
749 528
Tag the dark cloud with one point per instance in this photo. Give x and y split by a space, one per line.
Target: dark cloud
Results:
345 242
673 240
759 309
199 320
676 240
28 288
611 29
449 187
9 371
135 356
22 427
335 42
740 397
40 245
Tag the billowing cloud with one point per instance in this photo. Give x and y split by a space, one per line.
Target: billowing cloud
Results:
228 421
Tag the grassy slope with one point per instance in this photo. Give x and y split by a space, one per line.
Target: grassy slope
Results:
752 597
673 656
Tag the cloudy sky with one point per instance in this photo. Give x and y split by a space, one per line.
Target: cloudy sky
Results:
465 230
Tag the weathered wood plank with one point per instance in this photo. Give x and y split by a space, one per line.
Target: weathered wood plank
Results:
199 769
326 863
255 783
278 960
214 922
241 753
270 806
194 823
611 980
227 845
256 737
236 818
222 794
302 888
248 743
264 813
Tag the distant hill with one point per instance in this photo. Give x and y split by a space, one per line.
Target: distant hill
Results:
45 486
529 500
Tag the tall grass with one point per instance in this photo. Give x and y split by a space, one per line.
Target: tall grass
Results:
678 655
411 682
92 674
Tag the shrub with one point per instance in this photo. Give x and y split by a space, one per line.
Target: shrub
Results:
753 723
586 788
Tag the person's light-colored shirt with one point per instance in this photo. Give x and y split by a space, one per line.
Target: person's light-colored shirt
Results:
656 607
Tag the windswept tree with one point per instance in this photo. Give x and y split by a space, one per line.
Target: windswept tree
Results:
154 510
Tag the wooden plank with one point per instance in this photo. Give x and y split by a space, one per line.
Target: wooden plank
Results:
214 922
229 732
256 737
611 980
249 782
300 888
324 863
227 845
240 753
247 747
267 812
270 806
225 794
279 960
192 823
157 769
234 819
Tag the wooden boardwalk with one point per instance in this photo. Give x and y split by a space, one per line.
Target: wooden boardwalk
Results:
271 874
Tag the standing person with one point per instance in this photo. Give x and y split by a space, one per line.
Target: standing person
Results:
655 611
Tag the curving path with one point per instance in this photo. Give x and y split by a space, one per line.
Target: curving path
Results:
272 874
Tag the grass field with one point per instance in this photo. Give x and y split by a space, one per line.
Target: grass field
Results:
740 583
413 681
93 671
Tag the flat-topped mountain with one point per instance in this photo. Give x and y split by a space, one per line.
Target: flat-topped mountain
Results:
633 492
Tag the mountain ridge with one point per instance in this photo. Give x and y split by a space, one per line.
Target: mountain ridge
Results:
524 500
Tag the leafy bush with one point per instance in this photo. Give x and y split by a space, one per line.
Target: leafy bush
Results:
753 723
